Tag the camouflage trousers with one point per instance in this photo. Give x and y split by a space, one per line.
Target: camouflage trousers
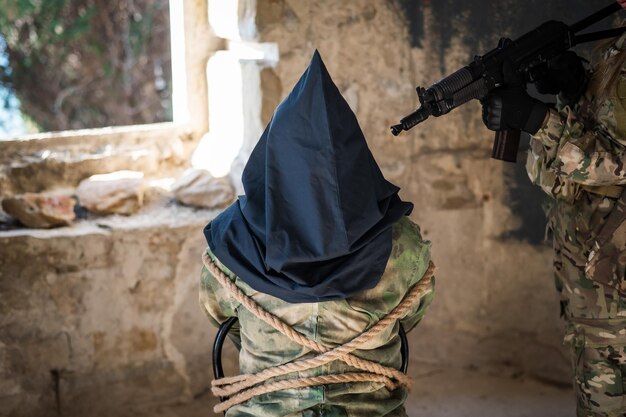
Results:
595 311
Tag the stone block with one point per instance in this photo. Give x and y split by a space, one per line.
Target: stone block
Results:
40 211
119 192
199 188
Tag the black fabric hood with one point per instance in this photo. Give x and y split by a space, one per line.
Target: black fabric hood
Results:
315 221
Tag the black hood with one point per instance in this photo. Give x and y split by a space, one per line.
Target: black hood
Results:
315 221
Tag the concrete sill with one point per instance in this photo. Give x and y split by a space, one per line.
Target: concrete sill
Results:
169 216
59 160
98 137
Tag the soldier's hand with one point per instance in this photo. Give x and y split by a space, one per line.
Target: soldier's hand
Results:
564 75
513 108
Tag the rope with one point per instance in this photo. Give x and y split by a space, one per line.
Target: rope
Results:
340 352
232 386
302 383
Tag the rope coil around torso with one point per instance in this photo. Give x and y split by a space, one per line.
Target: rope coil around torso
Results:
238 388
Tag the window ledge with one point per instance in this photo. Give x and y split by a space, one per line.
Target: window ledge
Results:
57 160
90 140
170 216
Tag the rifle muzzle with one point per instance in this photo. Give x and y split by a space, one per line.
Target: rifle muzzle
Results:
413 119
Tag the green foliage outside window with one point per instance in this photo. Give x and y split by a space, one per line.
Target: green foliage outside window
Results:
87 63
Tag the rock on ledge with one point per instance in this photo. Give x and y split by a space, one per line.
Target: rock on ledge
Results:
198 188
40 211
119 192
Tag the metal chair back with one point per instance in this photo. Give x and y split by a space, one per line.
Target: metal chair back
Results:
218 371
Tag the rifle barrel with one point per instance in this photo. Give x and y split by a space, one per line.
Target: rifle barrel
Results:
596 17
595 36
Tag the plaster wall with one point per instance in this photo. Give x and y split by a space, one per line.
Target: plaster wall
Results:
103 317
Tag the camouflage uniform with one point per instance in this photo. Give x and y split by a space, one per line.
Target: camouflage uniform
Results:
579 159
331 323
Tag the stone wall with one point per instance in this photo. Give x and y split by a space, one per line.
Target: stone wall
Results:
103 317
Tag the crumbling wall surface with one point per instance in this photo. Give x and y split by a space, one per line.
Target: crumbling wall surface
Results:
495 307
103 318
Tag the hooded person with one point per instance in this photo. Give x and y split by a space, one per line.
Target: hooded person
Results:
318 253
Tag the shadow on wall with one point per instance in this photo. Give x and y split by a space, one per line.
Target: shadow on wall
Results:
484 22
479 24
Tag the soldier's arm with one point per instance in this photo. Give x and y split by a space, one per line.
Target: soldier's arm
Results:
543 146
586 157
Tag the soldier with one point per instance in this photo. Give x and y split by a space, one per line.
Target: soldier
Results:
318 254
578 157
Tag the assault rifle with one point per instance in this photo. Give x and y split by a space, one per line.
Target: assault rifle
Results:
527 56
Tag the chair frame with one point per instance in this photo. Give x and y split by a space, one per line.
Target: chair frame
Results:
222 332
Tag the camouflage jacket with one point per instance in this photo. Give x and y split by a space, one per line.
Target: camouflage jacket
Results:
579 158
579 149
331 323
